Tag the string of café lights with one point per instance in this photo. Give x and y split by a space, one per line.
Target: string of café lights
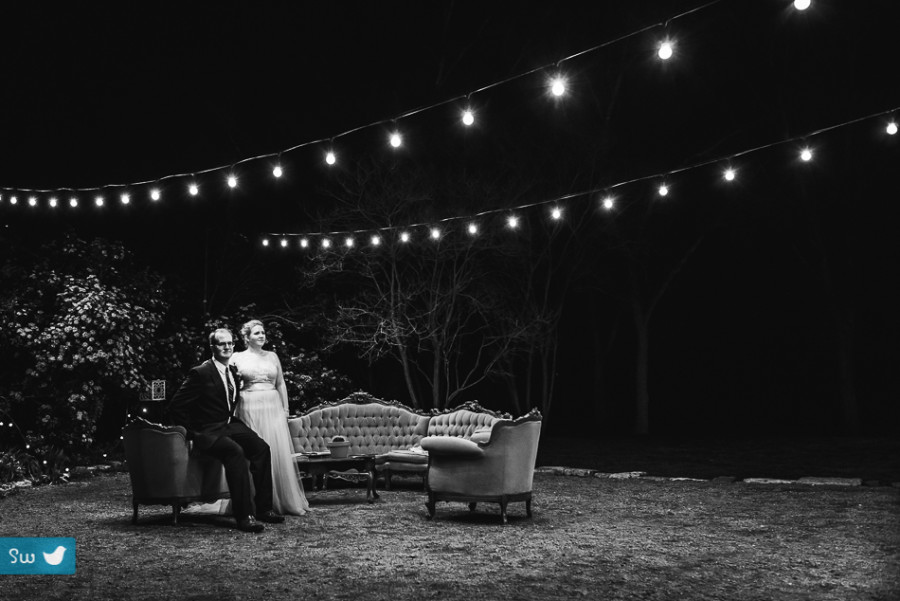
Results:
557 87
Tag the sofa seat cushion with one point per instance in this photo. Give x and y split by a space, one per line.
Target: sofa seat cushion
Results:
451 446
408 456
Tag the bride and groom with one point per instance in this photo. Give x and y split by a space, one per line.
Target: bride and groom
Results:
234 407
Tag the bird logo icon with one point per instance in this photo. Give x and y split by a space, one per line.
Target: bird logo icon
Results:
55 558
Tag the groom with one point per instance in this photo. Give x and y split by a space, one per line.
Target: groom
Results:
204 405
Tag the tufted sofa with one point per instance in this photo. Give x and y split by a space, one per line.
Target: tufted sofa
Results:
387 429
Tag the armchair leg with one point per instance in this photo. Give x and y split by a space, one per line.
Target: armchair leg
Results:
503 502
134 515
176 509
429 504
528 506
472 506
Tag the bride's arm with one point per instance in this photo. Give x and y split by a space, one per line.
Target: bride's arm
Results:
280 386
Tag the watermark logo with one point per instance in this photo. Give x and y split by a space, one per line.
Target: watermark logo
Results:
38 555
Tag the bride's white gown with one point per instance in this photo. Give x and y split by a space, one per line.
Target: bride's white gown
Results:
262 387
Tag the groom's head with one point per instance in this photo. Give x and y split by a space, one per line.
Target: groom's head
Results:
222 345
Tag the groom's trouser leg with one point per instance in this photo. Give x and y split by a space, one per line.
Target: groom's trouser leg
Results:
259 455
230 453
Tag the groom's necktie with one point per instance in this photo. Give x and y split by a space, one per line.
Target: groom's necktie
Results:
230 390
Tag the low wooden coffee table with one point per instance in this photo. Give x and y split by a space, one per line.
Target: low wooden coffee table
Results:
316 465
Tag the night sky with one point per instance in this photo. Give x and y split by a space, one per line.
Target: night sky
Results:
102 94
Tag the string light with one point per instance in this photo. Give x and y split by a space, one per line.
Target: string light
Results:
729 174
468 117
396 139
53 202
154 194
32 201
232 181
284 243
512 222
277 171
663 190
472 229
801 4
125 198
806 155
404 236
891 128
265 242
330 157
608 203
556 213
13 200
193 189
435 233
376 240
73 202
98 200
304 242
349 242
326 243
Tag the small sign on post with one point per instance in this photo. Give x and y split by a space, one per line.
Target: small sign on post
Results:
158 390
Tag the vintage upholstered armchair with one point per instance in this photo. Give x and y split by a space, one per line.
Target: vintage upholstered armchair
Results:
164 470
496 466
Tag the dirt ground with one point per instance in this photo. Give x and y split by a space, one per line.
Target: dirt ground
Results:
589 538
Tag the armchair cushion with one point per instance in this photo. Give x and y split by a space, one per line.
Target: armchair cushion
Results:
451 446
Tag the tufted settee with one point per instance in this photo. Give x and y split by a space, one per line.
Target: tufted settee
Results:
387 429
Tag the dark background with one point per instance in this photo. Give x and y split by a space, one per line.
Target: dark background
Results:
110 95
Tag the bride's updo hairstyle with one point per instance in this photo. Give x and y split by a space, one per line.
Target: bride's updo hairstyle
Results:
245 329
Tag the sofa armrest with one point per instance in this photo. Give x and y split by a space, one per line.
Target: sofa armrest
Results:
451 446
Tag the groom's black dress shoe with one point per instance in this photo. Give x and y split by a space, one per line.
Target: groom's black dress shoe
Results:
270 517
249 524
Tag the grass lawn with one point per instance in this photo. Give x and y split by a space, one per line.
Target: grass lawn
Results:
590 538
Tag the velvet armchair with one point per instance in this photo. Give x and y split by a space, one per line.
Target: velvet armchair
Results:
496 466
164 470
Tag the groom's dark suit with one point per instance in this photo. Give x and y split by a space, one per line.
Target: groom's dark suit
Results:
201 406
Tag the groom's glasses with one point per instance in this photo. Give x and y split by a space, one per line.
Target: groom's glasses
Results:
224 344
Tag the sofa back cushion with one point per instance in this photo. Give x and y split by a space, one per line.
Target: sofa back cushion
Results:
375 427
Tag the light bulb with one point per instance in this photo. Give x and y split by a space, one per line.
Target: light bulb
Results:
53 202
193 189
330 158
468 117
284 243
277 171
801 4
665 50
404 237
232 181
154 194
556 213
729 174
473 228
806 155
396 140
13 200
608 203
125 198
32 201
304 243
663 190
512 222
891 128
265 242
73 202
435 233
349 242
326 243
98 200
376 240
558 86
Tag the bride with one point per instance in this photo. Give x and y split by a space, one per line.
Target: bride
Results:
264 408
